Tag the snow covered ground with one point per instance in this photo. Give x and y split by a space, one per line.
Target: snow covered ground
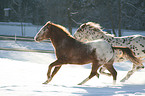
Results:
15 29
19 78
22 73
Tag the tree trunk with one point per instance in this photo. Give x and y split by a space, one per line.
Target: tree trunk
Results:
119 22
69 21
112 20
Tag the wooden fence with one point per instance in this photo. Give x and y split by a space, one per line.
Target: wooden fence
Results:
19 38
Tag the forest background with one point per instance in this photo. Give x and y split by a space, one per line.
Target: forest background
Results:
110 14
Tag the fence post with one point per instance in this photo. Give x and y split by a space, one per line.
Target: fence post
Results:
15 38
22 30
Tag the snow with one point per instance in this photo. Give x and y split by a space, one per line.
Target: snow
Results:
25 79
14 28
22 74
15 23
29 31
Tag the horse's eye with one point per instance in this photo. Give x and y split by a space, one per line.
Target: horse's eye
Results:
79 30
44 28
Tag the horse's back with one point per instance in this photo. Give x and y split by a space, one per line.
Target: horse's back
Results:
137 44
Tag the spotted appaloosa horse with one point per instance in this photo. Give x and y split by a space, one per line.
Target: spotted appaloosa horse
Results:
71 51
92 31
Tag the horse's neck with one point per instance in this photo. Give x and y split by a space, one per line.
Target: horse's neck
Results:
58 39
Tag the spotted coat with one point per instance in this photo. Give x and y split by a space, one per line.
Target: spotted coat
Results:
92 31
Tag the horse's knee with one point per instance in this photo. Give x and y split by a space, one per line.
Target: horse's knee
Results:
102 69
50 66
93 74
97 75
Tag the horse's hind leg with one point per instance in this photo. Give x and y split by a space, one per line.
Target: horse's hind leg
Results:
102 69
111 69
134 68
95 67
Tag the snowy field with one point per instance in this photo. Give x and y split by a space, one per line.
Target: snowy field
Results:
16 29
31 30
22 74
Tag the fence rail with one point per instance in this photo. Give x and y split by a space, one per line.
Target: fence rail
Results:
19 38
16 38
27 50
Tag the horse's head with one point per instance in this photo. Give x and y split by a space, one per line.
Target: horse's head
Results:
87 31
83 32
79 34
44 32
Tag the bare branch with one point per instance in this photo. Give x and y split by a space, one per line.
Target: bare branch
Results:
135 7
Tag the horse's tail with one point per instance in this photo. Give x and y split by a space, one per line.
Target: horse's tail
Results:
129 53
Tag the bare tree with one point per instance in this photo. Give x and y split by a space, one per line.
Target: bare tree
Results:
119 22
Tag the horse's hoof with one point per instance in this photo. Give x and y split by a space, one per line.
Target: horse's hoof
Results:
46 82
98 75
80 84
114 82
123 80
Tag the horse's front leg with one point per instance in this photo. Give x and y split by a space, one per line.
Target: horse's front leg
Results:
102 69
53 73
95 67
49 75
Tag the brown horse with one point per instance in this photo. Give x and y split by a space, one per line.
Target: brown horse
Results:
71 51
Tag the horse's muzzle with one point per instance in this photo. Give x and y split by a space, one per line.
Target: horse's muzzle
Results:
37 39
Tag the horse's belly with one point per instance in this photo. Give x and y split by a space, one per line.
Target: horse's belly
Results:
80 61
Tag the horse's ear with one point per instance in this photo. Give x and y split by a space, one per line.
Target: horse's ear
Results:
83 26
49 24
